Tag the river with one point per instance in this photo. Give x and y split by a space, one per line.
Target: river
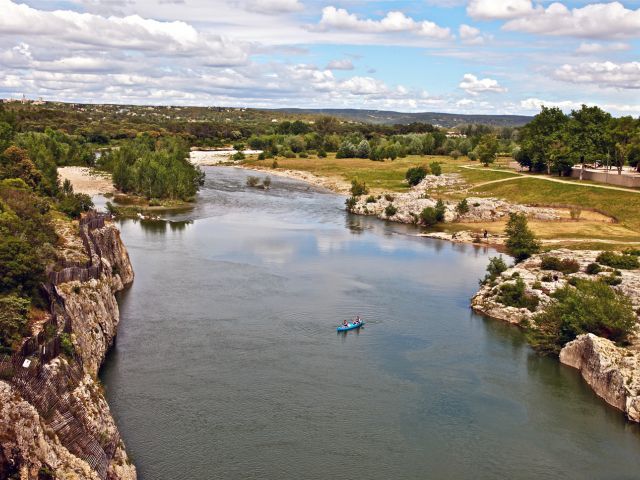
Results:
228 365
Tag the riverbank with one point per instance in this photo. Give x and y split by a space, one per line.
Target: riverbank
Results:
54 418
612 371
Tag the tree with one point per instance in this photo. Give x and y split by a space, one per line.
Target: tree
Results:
537 138
363 150
13 321
624 136
521 242
588 135
496 266
487 149
440 210
589 307
415 175
462 207
429 216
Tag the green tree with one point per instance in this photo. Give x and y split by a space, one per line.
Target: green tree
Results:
429 216
487 149
521 242
13 321
588 135
415 175
496 266
540 138
440 210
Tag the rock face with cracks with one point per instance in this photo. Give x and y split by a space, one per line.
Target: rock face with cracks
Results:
57 424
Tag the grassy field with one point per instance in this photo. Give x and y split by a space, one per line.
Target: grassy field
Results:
624 207
381 176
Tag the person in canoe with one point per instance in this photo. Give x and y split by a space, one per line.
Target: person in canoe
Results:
344 323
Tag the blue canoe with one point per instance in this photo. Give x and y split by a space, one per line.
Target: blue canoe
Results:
349 326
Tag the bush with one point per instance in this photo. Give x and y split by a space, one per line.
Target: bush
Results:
611 279
436 168
462 207
351 203
252 181
514 295
266 183
236 157
288 154
496 266
521 243
390 211
614 260
388 197
575 213
371 199
322 154
455 154
13 322
429 216
358 188
547 278
66 344
274 165
415 175
589 307
440 210
303 155
593 269
565 265
262 156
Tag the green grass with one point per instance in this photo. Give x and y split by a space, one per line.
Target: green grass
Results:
623 206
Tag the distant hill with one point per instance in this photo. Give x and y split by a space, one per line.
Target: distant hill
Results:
389 117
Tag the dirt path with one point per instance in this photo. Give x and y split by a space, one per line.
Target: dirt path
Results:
549 179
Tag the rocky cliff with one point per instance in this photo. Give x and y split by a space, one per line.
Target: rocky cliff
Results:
613 372
54 419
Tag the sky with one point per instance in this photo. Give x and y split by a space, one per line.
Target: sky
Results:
459 56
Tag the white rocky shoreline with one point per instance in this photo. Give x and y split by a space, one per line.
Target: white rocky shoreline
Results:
612 371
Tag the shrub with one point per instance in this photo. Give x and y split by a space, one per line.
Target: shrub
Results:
371 199
514 295
388 197
593 269
429 216
589 307
575 213
537 285
262 156
322 154
274 165
66 344
614 260
462 207
436 168
455 154
266 183
13 321
252 181
547 278
288 154
75 204
303 155
390 211
440 210
521 243
415 175
565 265
351 203
358 188
238 156
632 251
496 266
611 279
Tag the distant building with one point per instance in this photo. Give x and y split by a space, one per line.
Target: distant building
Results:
452 134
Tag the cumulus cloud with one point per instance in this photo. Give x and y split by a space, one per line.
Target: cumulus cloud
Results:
599 20
498 9
131 32
474 85
393 22
471 35
273 6
603 74
344 64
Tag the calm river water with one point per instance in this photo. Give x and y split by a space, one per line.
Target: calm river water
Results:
228 365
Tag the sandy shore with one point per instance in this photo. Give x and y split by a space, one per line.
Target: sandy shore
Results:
86 180
334 184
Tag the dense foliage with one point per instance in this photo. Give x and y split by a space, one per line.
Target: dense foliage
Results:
153 168
521 242
515 295
563 265
495 268
614 260
585 307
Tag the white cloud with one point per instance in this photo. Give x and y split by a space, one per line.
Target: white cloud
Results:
498 9
603 74
534 105
84 30
344 64
474 86
589 48
471 35
273 6
393 22
598 20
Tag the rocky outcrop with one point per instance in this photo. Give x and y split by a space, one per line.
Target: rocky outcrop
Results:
54 419
612 372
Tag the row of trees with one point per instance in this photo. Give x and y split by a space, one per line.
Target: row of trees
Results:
554 142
